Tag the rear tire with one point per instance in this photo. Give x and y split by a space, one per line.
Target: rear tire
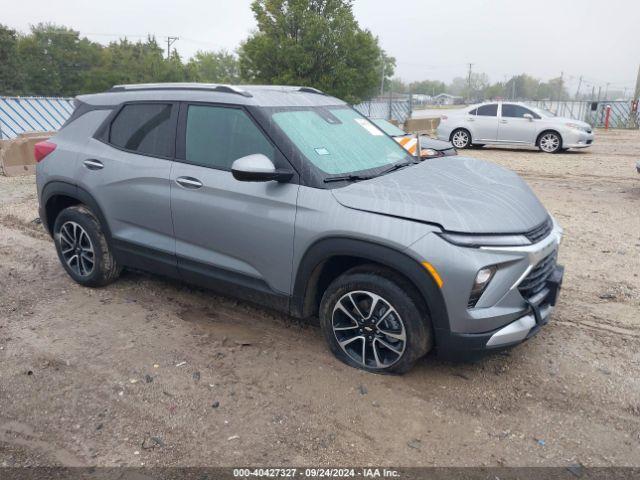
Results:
461 138
371 321
83 249
550 142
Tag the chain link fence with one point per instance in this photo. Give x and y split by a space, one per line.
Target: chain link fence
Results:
393 108
623 113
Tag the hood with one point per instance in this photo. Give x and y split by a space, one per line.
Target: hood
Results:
439 145
426 142
460 194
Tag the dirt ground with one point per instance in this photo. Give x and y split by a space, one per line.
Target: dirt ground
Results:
152 372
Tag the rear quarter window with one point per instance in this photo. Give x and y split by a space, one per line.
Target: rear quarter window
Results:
146 129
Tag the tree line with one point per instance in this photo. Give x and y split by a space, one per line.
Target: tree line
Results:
477 87
297 42
315 43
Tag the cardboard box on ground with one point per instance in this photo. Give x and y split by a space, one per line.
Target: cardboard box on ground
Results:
16 155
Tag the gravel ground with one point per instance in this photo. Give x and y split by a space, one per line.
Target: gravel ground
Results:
152 372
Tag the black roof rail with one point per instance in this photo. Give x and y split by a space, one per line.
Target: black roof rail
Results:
311 90
179 86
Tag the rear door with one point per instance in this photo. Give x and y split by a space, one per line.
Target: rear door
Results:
127 172
514 127
225 229
485 123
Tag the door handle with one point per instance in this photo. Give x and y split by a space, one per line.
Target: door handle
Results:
471 119
504 121
189 182
92 164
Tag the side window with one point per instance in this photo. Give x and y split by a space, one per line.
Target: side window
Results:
490 110
473 112
144 128
516 111
217 136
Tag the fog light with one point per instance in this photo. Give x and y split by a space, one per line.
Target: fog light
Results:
483 277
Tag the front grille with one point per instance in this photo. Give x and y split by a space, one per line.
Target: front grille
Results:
540 232
536 281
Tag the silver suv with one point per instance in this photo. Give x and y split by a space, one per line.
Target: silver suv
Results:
287 197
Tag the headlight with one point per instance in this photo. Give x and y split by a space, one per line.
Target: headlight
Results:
429 152
576 126
465 240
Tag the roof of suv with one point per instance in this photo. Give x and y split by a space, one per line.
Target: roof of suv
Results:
257 95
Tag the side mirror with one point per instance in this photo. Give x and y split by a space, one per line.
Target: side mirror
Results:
528 116
258 168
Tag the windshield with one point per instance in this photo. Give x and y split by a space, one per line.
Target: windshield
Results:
388 127
338 140
543 112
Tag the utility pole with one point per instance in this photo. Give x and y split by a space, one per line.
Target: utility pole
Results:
170 41
579 85
606 90
636 98
469 82
599 91
382 75
513 88
560 84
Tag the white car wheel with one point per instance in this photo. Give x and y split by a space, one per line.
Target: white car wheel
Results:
550 142
461 139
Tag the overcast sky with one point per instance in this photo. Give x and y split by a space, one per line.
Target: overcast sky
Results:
434 39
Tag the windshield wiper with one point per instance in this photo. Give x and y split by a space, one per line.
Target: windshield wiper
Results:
397 166
346 178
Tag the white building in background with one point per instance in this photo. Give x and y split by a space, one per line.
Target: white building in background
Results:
446 99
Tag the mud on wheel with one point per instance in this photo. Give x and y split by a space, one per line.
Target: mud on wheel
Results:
83 248
371 323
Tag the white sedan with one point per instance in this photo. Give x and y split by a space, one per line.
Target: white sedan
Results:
508 123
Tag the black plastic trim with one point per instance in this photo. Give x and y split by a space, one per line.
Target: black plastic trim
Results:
324 249
54 188
232 284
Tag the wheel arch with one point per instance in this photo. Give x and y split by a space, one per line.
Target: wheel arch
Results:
56 196
328 258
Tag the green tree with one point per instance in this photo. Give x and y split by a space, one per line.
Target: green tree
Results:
428 87
398 86
55 60
317 43
134 62
214 67
10 67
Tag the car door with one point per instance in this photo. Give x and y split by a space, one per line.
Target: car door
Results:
127 173
514 127
225 229
485 123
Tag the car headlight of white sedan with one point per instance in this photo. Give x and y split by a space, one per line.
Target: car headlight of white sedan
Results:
575 126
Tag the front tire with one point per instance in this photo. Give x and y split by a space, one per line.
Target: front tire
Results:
373 323
83 249
550 142
461 138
